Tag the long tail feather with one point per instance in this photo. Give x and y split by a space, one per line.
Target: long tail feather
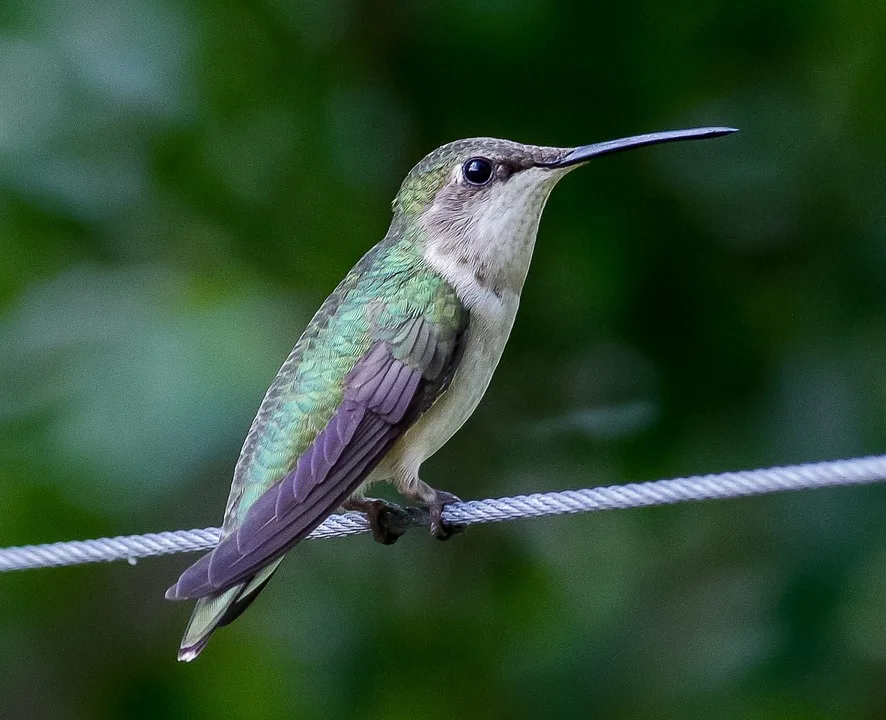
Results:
219 609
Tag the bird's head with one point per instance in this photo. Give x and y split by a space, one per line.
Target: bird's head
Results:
480 200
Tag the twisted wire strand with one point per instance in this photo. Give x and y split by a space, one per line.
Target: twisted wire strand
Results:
855 471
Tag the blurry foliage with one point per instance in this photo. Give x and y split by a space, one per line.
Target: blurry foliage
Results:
182 183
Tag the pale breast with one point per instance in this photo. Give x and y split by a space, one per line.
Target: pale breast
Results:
488 330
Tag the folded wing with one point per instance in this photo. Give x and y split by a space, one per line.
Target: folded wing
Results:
395 381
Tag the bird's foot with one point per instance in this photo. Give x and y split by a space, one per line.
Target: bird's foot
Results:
440 529
380 514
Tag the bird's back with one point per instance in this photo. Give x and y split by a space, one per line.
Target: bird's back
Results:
389 283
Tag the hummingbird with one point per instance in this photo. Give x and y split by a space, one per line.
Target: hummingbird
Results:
391 365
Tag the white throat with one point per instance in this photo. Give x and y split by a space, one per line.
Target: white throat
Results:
486 247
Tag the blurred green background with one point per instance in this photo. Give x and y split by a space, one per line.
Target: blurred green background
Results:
181 184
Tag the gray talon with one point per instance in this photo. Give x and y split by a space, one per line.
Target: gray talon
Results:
380 514
439 528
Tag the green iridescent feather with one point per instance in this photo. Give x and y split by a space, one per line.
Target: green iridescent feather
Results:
390 285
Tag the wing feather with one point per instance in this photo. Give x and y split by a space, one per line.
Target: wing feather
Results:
395 381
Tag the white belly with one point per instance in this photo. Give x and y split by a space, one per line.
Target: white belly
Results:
488 331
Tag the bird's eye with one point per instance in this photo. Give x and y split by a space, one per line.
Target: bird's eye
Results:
477 171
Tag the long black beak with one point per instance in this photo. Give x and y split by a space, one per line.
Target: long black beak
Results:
586 152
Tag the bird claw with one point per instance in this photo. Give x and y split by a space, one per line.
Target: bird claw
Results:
380 514
439 528
389 521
